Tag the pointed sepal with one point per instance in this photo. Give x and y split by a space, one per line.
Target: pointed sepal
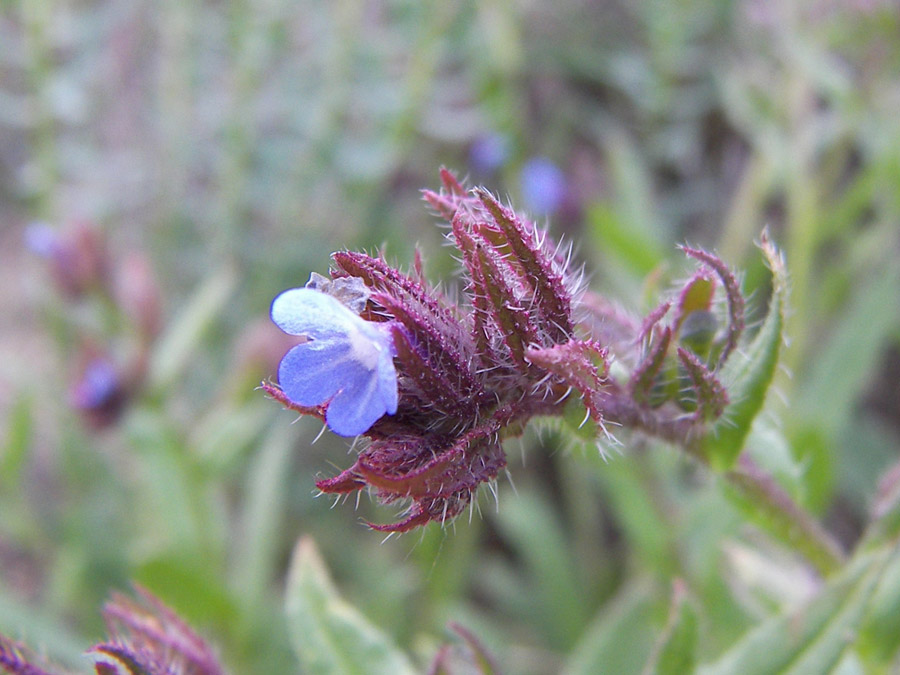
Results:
749 375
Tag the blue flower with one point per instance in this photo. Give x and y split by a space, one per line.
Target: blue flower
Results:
543 185
42 240
488 153
98 386
347 362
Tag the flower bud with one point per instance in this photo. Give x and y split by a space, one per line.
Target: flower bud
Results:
148 637
77 256
99 393
543 184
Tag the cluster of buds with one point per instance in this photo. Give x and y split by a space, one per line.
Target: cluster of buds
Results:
110 364
435 386
687 376
673 384
145 638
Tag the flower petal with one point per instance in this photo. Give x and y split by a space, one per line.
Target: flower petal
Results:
304 311
313 372
347 364
357 406
387 383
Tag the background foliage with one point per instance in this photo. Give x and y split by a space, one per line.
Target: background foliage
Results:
235 145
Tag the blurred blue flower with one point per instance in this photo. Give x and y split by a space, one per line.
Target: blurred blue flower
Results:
543 185
98 386
42 240
347 362
488 153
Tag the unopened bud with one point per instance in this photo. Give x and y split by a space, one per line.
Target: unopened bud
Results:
77 256
99 393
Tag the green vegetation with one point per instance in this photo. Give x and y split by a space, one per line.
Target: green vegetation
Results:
219 152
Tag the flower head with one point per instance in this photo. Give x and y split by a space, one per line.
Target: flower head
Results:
77 256
345 366
467 375
146 636
458 376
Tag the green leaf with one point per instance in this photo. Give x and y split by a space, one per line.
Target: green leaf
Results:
879 638
813 637
620 636
328 634
194 589
228 431
766 504
256 557
627 245
768 447
183 336
20 429
636 232
533 529
747 378
844 363
675 652
648 530
173 501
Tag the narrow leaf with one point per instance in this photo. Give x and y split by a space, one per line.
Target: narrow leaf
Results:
674 653
16 445
879 638
256 557
767 504
556 600
845 363
183 337
811 638
841 632
328 634
621 635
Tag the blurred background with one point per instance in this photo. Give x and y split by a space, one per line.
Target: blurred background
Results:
167 168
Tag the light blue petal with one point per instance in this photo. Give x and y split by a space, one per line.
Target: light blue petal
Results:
304 311
357 406
387 383
311 373
347 364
